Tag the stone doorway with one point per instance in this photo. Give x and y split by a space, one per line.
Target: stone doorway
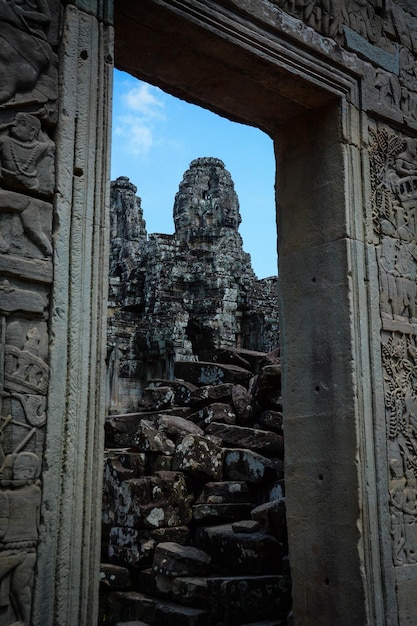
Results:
232 60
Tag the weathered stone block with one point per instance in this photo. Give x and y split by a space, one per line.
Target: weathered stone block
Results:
172 559
221 512
246 526
114 577
157 398
233 491
117 469
215 412
200 456
182 389
202 396
158 463
127 548
175 426
251 467
134 548
244 404
132 605
272 516
190 590
271 420
240 599
120 429
169 614
207 373
154 501
231 356
267 387
264 442
249 553
150 439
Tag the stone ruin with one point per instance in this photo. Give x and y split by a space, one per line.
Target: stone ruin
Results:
194 527
185 295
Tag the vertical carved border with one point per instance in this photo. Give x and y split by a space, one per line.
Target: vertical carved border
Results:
393 160
67 586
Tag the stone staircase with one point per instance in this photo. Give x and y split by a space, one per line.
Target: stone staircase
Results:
194 528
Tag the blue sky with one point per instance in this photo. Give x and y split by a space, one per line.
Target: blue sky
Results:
156 136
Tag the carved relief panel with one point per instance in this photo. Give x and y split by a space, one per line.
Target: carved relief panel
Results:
28 94
393 160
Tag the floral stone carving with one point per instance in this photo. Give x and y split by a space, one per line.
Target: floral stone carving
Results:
394 203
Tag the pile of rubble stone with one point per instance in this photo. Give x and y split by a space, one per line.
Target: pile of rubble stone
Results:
194 530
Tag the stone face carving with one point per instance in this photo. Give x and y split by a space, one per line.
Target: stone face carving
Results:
394 205
206 200
182 295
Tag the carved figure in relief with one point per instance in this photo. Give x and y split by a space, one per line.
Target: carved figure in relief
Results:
387 253
26 158
396 492
14 299
24 369
24 50
28 209
410 517
363 20
389 88
405 279
406 169
20 498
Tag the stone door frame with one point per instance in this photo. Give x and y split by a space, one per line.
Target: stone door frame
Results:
295 87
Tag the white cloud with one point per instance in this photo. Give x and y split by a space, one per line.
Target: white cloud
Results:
134 124
144 100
